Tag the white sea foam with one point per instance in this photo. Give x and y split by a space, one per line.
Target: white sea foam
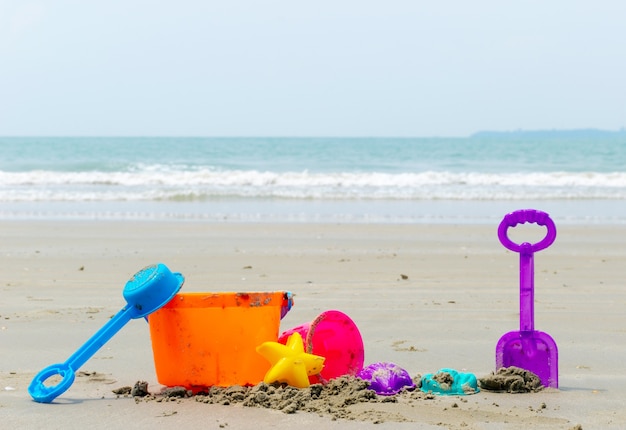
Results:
160 183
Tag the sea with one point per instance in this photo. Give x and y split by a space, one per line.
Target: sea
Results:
577 176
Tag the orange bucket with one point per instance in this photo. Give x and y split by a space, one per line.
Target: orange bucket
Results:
205 339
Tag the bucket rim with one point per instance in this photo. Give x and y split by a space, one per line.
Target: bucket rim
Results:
210 299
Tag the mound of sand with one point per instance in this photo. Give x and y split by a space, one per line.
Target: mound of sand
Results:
511 380
332 399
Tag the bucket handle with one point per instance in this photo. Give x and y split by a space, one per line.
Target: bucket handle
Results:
287 304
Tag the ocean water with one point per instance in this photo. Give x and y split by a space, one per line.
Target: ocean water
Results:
578 177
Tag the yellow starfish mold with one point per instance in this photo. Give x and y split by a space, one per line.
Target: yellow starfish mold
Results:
290 364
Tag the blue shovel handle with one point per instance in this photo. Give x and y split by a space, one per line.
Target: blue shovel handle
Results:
148 290
43 393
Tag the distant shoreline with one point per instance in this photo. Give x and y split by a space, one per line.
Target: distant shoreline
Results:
581 133
574 133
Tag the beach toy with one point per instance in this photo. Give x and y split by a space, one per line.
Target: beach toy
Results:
528 348
204 339
148 290
386 379
448 382
334 336
290 364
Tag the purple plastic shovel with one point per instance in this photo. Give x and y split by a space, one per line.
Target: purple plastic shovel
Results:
528 348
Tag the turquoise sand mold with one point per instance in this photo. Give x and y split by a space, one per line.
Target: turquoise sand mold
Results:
449 382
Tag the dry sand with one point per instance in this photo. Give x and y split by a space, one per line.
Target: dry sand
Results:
424 297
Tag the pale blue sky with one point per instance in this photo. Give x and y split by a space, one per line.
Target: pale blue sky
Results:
316 68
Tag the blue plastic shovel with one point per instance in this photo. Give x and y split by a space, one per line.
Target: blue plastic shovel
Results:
148 290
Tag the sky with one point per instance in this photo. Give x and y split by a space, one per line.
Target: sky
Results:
398 68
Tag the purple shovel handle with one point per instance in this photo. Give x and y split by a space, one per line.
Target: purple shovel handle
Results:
526 252
523 216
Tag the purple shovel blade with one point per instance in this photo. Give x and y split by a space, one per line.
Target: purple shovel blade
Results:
528 348
534 351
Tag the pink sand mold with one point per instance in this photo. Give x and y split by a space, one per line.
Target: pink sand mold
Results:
528 348
334 336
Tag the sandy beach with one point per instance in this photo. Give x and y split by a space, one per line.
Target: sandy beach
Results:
423 296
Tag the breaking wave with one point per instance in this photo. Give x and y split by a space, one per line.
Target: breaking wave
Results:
167 183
